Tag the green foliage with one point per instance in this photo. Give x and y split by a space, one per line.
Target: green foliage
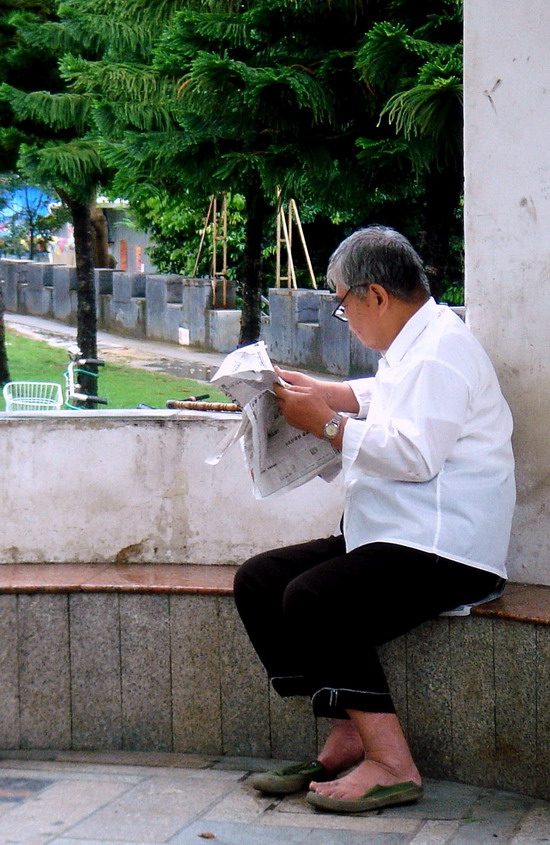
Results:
413 65
421 81
20 66
13 239
350 107
125 93
178 228
386 54
60 111
424 114
56 147
74 167
83 29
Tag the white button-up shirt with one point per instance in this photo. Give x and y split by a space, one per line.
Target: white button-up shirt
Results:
428 460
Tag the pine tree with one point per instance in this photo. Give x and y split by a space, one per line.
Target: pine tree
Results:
265 94
246 99
58 150
413 62
16 64
193 98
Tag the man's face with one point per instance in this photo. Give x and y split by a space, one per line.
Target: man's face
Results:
363 316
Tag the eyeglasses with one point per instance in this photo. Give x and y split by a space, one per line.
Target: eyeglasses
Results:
340 312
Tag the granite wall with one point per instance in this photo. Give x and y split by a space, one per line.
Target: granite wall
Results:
177 673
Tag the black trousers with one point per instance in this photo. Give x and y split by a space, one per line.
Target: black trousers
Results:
315 614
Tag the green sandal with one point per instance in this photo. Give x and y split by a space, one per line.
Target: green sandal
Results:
290 779
378 796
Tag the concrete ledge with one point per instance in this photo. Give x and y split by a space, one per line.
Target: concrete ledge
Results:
520 603
195 579
148 463
154 657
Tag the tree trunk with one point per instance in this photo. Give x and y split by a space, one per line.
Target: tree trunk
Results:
100 242
86 312
252 266
4 368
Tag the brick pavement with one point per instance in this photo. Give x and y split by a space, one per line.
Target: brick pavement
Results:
144 798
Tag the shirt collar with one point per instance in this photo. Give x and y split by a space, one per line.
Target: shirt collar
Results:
410 332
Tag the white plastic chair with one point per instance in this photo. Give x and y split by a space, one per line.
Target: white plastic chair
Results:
32 396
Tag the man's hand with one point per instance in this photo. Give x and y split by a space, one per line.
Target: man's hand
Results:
303 401
337 395
303 407
301 380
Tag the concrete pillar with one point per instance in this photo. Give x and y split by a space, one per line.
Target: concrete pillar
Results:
197 296
163 306
280 326
65 285
103 279
294 336
223 328
335 339
13 274
507 223
37 295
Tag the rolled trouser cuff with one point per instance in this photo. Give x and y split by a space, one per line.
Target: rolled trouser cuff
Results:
334 703
287 685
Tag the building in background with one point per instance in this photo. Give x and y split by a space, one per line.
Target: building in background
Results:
61 247
127 244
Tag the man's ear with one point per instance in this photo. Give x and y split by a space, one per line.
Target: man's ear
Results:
381 296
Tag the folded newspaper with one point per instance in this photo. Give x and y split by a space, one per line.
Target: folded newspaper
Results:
278 456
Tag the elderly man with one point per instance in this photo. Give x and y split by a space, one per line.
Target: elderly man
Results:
428 473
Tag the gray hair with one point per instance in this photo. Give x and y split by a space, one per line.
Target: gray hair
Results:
379 255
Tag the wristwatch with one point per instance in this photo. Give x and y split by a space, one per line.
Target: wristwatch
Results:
332 427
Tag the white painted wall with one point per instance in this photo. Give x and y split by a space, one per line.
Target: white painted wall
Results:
133 487
507 159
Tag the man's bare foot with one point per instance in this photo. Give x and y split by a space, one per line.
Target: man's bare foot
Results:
384 754
343 747
367 774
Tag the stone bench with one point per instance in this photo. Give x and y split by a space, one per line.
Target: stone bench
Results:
140 657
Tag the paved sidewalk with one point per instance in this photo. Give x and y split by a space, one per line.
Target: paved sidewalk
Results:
141 798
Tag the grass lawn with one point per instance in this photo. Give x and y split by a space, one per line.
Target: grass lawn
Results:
123 386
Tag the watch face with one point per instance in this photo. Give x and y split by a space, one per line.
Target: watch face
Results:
331 429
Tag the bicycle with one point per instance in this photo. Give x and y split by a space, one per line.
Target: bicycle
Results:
73 390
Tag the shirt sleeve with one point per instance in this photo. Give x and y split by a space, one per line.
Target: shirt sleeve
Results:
410 433
362 389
